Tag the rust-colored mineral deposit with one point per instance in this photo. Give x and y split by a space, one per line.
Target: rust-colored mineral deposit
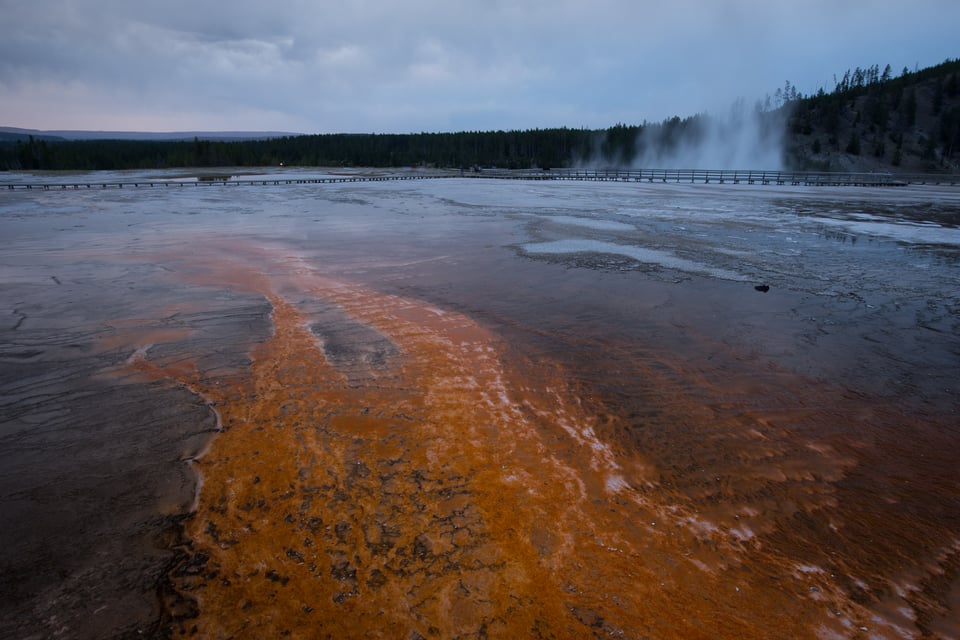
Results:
391 469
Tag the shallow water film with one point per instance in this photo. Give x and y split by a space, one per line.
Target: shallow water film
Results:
467 408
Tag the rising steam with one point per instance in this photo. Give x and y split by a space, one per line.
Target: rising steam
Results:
744 138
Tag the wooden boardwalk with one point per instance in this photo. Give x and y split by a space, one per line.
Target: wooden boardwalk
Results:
663 176
717 176
207 182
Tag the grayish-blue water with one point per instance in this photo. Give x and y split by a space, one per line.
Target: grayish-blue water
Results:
859 327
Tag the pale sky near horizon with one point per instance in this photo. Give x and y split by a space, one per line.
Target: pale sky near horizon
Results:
385 66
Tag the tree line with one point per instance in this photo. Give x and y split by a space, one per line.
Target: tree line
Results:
867 107
543 148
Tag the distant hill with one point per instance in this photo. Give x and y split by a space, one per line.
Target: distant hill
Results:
14 133
875 121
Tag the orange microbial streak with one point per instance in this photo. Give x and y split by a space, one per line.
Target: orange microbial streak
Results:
447 487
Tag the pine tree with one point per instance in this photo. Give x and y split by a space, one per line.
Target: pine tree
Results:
853 146
886 74
910 108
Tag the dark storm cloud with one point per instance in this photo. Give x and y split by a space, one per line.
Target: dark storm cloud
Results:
428 65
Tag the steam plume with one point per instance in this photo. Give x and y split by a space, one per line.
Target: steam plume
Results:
744 138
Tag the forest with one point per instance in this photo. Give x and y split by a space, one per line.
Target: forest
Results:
874 120
871 119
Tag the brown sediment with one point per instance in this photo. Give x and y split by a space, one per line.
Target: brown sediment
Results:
454 487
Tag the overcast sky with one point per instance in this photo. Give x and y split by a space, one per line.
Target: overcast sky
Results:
318 66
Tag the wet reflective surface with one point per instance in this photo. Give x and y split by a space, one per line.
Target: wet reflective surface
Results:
470 408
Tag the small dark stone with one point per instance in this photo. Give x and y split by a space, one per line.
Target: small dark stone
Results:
421 547
341 570
341 529
762 287
377 579
293 554
273 576
313 523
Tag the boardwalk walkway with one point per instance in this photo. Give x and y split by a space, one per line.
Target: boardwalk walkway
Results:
716 176
226 181
676 176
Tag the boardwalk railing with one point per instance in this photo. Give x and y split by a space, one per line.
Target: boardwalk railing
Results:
725 176
213 181
676 176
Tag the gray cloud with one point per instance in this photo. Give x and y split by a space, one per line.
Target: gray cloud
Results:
378 65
